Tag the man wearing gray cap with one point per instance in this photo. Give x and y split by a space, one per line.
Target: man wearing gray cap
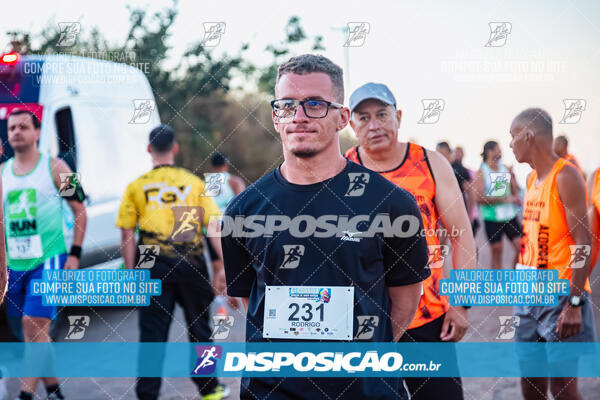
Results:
423 173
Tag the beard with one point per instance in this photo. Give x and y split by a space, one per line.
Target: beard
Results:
305 153
21 147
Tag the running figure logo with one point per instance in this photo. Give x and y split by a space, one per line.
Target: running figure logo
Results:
508 325
291 255
212 33
432 109
207 359
499 184
214 181
366 326
358 183
143 109
77 326
68 33
499 32
222 325
579 255
148 254
188 221
22 204
68 183
437 254
573 110
357 34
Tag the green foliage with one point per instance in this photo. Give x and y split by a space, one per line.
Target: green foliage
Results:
195 97
294 36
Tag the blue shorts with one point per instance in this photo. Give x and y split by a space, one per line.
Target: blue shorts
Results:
19 301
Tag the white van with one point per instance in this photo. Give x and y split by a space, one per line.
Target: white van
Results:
89 119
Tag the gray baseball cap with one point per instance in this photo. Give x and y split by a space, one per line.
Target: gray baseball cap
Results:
372 90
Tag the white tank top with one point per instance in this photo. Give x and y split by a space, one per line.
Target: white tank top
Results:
33 215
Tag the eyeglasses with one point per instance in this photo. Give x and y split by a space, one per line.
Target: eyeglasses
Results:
285 109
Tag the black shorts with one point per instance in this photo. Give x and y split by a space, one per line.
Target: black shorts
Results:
432 388
494 230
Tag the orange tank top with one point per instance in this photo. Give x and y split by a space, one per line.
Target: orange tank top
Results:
596 204
414 175
596 190
571 158
546 238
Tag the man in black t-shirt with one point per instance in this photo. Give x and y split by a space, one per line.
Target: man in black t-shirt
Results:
322 228
463 177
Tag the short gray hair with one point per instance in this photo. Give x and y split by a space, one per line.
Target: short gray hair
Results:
308 63
537 119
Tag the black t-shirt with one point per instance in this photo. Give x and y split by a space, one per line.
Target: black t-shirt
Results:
461 173
369 264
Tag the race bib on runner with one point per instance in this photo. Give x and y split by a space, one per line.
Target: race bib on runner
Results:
25 247
504 212
309 312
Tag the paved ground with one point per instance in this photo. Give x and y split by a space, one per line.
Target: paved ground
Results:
121 325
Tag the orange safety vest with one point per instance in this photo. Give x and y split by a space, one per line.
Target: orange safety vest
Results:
596 203
546 237
571 158
414 175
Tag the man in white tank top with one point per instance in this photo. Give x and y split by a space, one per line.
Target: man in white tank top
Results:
33 219
3 271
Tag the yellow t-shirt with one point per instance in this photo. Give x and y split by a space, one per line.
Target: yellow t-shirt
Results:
168 206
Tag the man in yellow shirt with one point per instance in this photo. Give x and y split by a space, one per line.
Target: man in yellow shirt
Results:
168 207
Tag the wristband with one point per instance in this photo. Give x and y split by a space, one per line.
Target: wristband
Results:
75 251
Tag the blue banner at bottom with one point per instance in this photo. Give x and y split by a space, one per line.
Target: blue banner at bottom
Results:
300 359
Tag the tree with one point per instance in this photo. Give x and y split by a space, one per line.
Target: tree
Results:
294 35
195 97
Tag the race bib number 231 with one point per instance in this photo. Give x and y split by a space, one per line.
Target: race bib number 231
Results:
309 312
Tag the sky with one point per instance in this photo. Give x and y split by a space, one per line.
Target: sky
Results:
424 51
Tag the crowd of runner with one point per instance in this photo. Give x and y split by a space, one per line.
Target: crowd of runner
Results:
394 280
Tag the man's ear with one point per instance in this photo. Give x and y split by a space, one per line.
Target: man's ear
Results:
149 149
352 124
399 116
344 118
175 149
529 135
